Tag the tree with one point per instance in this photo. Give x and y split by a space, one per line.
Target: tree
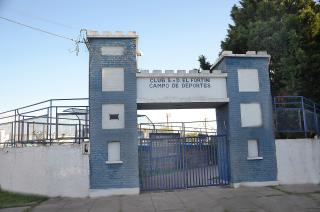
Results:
204 63
289 30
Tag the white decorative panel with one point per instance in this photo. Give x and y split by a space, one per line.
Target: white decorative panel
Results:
114 151
248 80
112 79
112 50
181 88
112 116
251 115
253 150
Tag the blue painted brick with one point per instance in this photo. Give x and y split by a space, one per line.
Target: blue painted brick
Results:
243 170
102 175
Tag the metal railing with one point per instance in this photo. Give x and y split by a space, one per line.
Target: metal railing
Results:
67 121
180 129
296 116
48 122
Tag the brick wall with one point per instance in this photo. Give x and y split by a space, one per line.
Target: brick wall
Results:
102 175
242 169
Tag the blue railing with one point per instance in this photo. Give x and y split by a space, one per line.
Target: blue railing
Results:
52 121
183 162
296 115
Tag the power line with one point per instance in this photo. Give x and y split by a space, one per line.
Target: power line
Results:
24 13
41 30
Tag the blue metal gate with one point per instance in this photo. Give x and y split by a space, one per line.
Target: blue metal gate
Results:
173 163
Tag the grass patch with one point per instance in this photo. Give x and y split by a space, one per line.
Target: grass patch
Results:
10 199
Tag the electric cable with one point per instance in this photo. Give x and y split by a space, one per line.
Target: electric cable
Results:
80 39
41 30
46 20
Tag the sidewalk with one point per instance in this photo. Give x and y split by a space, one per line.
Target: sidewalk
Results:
281 198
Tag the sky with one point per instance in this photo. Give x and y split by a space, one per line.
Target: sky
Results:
35 66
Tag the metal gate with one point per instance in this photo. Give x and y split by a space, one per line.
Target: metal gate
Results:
173 163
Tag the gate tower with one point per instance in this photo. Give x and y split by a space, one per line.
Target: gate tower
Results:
249 118
113 113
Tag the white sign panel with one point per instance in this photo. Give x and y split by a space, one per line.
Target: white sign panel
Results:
187 88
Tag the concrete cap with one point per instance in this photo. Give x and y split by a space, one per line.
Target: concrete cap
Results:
193 71
144 71
107 34
205 71
132 33
216 71
248 54
169 71
181 71
226 53
262 53
251 52
157 71
119 33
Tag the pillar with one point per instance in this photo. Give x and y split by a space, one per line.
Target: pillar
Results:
113 113
249 118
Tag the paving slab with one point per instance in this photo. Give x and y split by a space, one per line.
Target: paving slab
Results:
53 204
305 188
219 192
106 204
79 205
239 203
295 198
137 203
315 197
290 203
166 201
17 209
196 200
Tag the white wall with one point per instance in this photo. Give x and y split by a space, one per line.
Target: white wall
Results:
60 170
298 161
63 170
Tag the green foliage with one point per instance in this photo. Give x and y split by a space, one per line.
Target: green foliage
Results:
204 63
289 30
9 199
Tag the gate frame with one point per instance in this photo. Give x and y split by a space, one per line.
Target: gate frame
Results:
185 178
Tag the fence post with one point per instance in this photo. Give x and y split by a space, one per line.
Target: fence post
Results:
275 113
315 115
183 130
14 128
304 118
50 121
46 138
18 134
57 124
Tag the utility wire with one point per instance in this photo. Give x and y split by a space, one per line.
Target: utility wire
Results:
39 18
41 30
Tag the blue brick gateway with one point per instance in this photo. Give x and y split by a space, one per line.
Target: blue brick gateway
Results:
116 86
